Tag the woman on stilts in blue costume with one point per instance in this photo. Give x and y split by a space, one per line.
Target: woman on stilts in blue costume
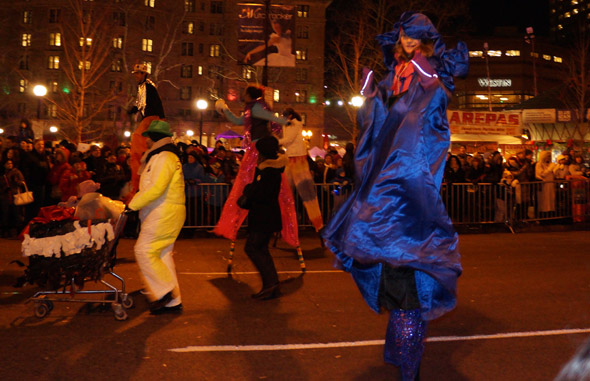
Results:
393 234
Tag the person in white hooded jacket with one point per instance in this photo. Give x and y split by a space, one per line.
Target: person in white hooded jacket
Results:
298 171
161 205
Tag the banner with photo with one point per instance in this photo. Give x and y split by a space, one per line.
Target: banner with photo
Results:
251 38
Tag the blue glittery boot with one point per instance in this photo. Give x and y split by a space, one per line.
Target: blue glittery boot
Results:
404 342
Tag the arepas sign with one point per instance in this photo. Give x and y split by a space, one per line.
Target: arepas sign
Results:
484 123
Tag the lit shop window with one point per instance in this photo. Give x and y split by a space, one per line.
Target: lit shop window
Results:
512 53
475 53
495 53
546 57
557 59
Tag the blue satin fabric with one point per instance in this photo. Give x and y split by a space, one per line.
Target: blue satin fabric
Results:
395 214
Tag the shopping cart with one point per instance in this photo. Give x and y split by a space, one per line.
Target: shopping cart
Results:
66 275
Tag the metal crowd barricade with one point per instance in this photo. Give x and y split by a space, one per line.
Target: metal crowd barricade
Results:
466 203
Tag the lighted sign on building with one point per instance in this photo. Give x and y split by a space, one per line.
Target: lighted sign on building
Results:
483 82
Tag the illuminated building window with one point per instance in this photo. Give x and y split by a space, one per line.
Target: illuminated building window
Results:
23 84
200 70
300 96
189 5
117 66
536 55
546 57
475 53
149 66
513 53
88 41
303 118
118 42
574 2
85 65
55 39
276 95
567 15
52 110
301 55
214 50
26 39
247 72
150 3
188 27
53 62
53 86
147 45
303 11
27 17
559 26
557 59
552 11
495 53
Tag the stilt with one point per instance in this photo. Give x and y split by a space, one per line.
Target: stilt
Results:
301 260
230 260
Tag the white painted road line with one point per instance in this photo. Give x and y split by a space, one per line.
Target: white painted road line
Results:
287 347
256 272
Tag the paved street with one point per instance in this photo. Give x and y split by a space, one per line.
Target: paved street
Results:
522 300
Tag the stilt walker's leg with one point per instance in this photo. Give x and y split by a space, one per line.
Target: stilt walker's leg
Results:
404 342
301 260
230 259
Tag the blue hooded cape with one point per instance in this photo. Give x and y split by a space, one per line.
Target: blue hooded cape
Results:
395 214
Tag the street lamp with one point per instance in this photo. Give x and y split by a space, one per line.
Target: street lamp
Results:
202 106
53 129
487 56
530 39
39 92
127 133
189 133
357 101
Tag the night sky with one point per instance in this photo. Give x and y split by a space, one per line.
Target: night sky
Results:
487 14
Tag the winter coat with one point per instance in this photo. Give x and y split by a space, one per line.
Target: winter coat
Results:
263 196
544 172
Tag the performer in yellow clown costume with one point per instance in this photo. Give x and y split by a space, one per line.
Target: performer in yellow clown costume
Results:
161 205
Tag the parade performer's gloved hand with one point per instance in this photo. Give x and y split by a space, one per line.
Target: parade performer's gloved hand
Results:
220 105
133 110
368 84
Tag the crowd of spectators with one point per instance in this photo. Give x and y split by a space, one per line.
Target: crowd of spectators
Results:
53 173
531 183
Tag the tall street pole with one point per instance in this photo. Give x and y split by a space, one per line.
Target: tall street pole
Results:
266 33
